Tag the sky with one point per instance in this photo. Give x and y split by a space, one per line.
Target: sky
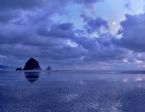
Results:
73 34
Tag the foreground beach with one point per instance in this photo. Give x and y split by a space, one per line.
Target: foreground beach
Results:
71 91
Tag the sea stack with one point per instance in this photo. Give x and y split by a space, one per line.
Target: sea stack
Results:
19 69
32 64
48 68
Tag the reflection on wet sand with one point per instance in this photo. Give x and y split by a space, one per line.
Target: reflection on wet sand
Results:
71 92
133 100
32 76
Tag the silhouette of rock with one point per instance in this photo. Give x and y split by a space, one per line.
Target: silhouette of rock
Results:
48 68
32 76
32 64
19 69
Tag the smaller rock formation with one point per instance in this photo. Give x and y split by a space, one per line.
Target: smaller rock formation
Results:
48 68
32 64
19 69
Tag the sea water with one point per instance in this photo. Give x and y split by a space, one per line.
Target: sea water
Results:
72 91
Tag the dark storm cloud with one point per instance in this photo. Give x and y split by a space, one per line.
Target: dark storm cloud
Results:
132 31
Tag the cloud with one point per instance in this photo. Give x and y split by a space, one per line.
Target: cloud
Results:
28 30
127 4
87 1
63 30
100 49
4 16
96 24
22 4
35 9
132 31
94 49
31 9
56 43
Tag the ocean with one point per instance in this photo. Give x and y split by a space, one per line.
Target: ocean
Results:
72 91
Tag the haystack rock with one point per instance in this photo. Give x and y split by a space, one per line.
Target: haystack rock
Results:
32 64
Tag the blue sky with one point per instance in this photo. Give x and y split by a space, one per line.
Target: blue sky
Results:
73 34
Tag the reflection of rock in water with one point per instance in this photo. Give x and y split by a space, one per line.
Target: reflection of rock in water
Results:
32 76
